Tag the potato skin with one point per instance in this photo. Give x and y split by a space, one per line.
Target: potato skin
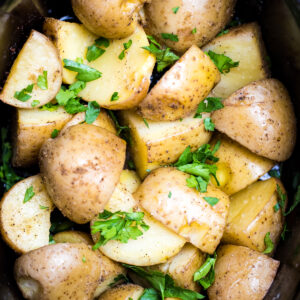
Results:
242 273
260 116
182 88
79 174
58 272
123 292
209 17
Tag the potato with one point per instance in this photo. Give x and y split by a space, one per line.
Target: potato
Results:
252 215
79 175
123 292
72 237
25 226
245 45
242 273
37 55
58 271
181 88
183 266
207 17
237 166
165 195
155 245
31 128
129 77
130 180
103 120
260 117
114 19
163 142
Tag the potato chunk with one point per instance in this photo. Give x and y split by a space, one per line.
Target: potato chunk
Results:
242 273
252 215
123 292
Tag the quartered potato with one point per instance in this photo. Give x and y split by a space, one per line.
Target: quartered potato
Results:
163 142
253 213
245 45
123 292
37 56
181 88
237 166
165 195
25 226
260 117
129 77
31 128
241 273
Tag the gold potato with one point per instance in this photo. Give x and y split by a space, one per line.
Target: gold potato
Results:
81 168
195 22
252 215
31 128
163 142
245 45
37 55
130 180
181 88
123 292
237 166
242 273
25 226
165 195
73 237
58 271
260 117
113 19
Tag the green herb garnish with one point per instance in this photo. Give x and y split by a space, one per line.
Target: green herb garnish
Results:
208 124
225 31
54 133
28 194
24 95
95 50
42 81
126 47
281 202
175 9
34 103
194 31
212 201
222 62
269 244
92 112
114 96
205 276
208 105
146 123
170 36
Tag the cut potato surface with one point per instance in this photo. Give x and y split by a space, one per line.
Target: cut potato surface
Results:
130 180
181 88
241 273
123 292
37 56
165 195
163 142
252 215
245 45
31 128
25 226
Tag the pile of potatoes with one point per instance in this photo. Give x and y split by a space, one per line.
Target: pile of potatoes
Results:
82 169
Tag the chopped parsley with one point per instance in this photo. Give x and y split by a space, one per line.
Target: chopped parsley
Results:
222 62
194 31
92 112
170 36
126 47
24 95
284 231
28 194
269 244
212 201
225 31
42 81
208 105
49 106
54 133
175 9
170 195
205 276
117 279
146 123
114 96
34 103
208 124
282 200
44 207
95 50
83 259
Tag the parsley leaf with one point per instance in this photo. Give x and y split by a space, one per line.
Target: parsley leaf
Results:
94 52
222 62
85 73
150 294
208 124
212 201
208 105
83 259
194 31
120 226
92 112
44 207
61 225
28 194
126 47
114 96
42 81
146 123
34 103
24 95
49 106
284 231
54 133
205 276
74 106
170 195
281 202
269 244
117 279
175 9
170 36
222 32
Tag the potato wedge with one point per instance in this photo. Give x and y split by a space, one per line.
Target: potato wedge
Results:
130 77
31 128
123 292
155 246
163 142
242 273
25 226
252 215
237 166
58 271
245 45
182 88
165 195
130 180
260 117
182 267
37 55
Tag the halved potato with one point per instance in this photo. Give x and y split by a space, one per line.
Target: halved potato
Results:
241 273
260 116
252 215
31 128
129 77
181 88
37 55
165 195
155 245
25 226
123 292
245 45
163 142
237 166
